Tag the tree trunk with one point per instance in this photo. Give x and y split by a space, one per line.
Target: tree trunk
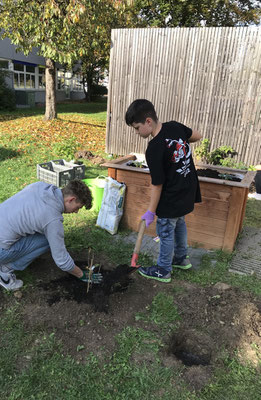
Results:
50 90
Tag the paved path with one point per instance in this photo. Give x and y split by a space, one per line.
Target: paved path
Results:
246 260
150 247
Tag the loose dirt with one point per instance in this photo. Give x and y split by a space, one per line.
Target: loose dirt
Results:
211 173
213 318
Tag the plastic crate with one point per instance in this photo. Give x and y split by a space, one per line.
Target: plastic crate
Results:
79 169
58 174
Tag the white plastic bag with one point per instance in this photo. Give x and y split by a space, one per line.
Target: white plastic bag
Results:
112 205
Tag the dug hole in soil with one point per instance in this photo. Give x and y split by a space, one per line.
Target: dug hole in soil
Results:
213 318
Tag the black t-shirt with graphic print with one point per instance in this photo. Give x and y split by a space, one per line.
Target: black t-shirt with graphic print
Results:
169 159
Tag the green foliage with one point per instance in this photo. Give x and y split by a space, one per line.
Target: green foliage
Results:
51 26
222 155
64 32
230 163
187 13
105 15
7 95
66 149
202 150
98 90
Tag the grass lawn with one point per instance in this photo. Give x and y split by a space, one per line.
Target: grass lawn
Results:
33 362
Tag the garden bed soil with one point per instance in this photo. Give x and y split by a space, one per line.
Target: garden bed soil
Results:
212 318
214 174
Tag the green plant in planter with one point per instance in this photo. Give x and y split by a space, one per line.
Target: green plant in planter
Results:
220 156
231 163
221 153
202 151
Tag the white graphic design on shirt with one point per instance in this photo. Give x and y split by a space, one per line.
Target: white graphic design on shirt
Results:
182 152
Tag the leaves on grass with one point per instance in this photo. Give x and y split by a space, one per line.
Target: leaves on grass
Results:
34 131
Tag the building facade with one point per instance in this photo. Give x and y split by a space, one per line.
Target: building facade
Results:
26 75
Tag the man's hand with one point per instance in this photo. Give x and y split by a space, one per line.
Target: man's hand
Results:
148 217
95 278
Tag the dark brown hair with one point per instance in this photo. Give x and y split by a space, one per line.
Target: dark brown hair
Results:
81 191
139 111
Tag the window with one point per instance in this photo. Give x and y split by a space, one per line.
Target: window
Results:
24 76
67 82
77 83
41 77
4 64
60 80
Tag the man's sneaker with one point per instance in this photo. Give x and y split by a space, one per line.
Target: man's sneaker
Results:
185 264
155 272
10 282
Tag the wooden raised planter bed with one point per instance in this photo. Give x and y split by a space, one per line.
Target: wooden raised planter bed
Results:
214 223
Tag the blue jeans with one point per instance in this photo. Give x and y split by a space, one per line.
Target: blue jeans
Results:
173 240
24 251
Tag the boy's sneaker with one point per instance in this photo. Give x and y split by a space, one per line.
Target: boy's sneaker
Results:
8 279
155 272
185 264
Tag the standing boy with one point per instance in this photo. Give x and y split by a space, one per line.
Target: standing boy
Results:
174 188
31 223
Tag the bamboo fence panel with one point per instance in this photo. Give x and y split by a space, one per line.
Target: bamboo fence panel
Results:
206 78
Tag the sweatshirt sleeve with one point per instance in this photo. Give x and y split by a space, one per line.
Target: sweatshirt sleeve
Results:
54 233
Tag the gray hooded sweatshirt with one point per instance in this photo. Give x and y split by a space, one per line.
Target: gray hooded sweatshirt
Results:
37 208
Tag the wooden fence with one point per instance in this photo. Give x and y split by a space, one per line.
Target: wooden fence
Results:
206 78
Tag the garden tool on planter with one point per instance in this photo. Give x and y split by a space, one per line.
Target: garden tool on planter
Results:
137 247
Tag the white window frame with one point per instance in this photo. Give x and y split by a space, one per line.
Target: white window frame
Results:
77 85
24 74
42 74
59 76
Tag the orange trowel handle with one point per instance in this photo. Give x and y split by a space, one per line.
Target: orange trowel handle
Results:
138 244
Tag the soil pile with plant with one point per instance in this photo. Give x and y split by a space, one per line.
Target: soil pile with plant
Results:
96 294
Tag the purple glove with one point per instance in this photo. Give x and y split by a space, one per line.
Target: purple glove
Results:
148 217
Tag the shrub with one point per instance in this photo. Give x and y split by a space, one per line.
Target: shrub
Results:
98 90
7 95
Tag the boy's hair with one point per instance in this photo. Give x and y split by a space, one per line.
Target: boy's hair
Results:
80 190
139 111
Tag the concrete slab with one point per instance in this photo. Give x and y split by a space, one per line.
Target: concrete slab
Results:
151 247
246 261
247 258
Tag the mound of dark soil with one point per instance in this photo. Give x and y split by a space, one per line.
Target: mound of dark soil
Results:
70 288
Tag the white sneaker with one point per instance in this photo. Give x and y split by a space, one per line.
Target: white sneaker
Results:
8 280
